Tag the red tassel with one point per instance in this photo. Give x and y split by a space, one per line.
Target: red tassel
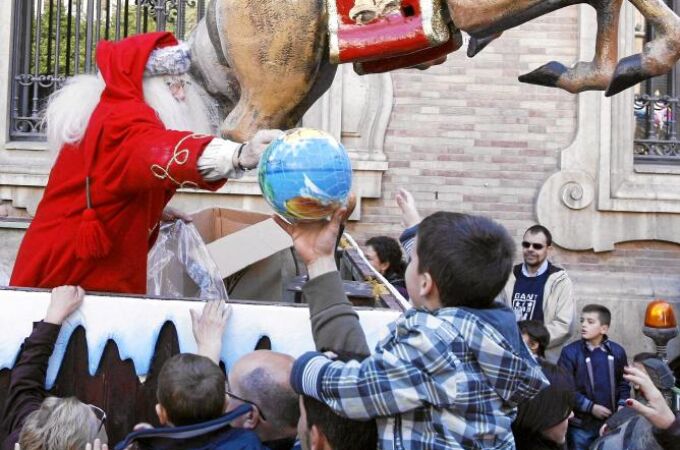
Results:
91 240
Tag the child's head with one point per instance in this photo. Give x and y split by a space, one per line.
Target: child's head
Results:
535 335
460 260
384 254
595 321
190 390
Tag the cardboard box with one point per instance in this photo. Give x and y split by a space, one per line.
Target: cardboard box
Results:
236 239
240 239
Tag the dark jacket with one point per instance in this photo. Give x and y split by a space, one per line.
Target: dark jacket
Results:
335 324
669 439
573 360
27 384
216 434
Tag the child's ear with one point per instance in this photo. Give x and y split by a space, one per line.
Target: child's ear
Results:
317 439
162 414
426 284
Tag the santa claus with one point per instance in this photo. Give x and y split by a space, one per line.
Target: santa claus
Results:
121 158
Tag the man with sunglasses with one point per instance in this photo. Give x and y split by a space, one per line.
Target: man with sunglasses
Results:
542 291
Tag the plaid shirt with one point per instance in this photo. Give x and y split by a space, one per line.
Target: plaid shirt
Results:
439 380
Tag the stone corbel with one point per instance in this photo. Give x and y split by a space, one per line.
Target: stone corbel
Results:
599 198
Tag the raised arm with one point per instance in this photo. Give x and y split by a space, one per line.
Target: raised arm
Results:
335 324
27 383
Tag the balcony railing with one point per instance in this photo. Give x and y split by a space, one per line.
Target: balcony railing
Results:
56 39
656 130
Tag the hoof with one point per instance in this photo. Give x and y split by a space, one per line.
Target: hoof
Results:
628 73
546 75
476 45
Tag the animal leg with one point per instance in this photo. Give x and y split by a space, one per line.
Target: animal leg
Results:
658 56
584 76
275 49
476 45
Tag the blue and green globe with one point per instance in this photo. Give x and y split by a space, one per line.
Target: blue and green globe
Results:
305 174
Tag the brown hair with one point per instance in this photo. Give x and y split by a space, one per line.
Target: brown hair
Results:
191 389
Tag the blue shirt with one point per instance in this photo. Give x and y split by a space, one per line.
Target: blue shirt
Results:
527 294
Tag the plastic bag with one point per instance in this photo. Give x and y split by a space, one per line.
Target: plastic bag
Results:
179 265
4 276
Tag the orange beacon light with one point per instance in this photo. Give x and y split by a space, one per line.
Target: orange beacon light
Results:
660 325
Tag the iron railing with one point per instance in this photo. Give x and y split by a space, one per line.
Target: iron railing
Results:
656 130
56 39
656 112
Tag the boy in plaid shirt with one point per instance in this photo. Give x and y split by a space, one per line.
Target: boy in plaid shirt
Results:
452 370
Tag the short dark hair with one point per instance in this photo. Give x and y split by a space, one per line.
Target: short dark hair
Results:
389 251
603 313
537 332
342 433
535 229
191 389
468 257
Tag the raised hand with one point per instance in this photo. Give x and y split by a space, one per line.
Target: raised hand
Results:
656 410
64 301
315 242
97 445
407 205
208 328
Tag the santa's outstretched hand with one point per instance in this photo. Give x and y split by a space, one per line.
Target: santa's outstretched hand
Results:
252 150
226 159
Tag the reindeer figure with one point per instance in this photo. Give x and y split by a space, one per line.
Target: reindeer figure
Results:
269 58
484 20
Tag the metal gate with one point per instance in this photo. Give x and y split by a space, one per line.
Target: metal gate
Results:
56 39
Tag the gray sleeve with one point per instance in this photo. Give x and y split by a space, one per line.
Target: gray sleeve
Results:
335 324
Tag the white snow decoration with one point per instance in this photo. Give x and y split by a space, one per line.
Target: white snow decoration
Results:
135 323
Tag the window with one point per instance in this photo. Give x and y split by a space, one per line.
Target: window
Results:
656 104
56 39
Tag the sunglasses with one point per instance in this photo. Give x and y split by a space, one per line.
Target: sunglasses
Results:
100 415
241 399
533 245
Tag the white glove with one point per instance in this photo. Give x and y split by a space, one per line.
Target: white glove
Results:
228 159
250 155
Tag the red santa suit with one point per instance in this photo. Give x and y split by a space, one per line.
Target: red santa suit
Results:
133 165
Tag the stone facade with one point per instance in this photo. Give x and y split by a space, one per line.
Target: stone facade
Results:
467 136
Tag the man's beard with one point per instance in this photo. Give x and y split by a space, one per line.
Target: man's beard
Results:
189 114
70 108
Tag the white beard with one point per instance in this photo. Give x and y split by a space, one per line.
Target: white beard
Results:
70 108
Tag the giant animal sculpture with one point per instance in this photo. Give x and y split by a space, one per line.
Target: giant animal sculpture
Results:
268 59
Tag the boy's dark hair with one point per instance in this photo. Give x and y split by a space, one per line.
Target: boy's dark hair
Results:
342 433
535 229
537 332
388 250
603 313
469 257
191 389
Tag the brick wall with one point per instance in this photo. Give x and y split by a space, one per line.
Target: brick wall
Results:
467 136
